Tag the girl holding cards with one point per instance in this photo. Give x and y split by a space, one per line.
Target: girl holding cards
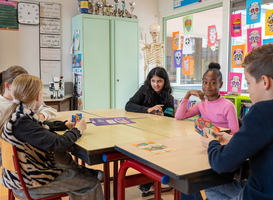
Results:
220 111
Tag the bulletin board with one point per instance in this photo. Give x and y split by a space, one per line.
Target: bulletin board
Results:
8 15
50 41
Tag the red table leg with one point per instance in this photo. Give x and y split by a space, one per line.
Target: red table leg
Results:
157 189
177 195
106 181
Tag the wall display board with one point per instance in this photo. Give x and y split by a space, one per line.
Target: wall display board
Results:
180 3
50 41
8 15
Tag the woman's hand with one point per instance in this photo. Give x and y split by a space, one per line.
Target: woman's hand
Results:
196 93
153 110
81 125
69 124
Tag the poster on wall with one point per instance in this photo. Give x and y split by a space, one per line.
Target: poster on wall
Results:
238 55
8 15
188 63
269 22
180 3
235 82
188 25
254 36
175 40
266 41
178 58
253 11
181 41
187 46
236 25
212 35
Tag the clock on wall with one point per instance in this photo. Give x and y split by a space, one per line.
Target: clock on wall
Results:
28 13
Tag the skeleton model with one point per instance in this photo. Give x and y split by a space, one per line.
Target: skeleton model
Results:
153 53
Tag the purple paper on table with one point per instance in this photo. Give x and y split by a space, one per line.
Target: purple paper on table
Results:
110 121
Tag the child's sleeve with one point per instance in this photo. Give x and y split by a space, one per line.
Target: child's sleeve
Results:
47 111
183 113
135 104
231 114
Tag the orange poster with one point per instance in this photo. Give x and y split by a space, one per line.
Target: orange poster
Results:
238 55
188 64
175 40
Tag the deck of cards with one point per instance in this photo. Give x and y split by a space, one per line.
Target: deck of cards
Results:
205 126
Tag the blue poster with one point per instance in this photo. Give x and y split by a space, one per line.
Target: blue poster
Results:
180 3
266 41
253 11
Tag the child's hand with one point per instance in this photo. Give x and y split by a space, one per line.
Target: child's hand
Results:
205 140
223 137
155 108
196 93
81 125
69 124
41 116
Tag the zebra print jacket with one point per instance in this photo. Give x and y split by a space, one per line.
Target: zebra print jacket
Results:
36 145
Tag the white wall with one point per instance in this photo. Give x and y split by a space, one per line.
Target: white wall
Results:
22 47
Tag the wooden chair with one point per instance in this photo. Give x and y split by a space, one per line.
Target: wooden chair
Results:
10 162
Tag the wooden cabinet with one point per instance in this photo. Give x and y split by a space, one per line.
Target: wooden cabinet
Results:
109 59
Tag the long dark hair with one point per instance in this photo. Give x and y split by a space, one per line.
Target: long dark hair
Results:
165 92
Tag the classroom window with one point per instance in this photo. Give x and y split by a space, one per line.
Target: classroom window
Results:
239 6
201 54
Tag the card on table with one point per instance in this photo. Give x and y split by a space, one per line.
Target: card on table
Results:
110 121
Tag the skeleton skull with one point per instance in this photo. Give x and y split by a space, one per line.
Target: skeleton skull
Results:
154 30
212 35
254 10
235 83
186 65
270 22
238 56
178 57
254 38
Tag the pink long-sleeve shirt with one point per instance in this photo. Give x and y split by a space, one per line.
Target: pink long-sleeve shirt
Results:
220 112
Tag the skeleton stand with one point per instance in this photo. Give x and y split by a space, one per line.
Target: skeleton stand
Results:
153 55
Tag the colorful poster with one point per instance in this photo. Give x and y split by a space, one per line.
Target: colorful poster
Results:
187 46
212 35
236 25
181 41
178 58
153 147
269 22
188 64
8 15
238 55
266 41
253 11
254 36
175 40
180 3
188 25
110 121
235 82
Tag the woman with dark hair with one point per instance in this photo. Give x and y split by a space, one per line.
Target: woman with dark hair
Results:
154 96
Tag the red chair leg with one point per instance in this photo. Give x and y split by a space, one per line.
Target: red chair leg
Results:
10 195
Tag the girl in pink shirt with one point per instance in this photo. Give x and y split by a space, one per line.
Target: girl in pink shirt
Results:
212 107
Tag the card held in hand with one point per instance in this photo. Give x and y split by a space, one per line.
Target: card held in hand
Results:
202 126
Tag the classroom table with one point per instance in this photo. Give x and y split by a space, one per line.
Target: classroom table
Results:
99 140
187 166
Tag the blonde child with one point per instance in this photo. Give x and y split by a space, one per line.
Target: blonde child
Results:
212 107
36 144
254 140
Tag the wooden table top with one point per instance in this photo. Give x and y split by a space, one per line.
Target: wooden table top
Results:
188 158
67 115
109 113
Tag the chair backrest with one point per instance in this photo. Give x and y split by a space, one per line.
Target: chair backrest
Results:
7 155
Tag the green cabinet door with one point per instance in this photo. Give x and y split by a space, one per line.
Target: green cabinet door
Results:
96 63
125 76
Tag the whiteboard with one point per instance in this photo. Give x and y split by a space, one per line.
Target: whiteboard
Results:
50 41
50 10
50 26
50 54
50 69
